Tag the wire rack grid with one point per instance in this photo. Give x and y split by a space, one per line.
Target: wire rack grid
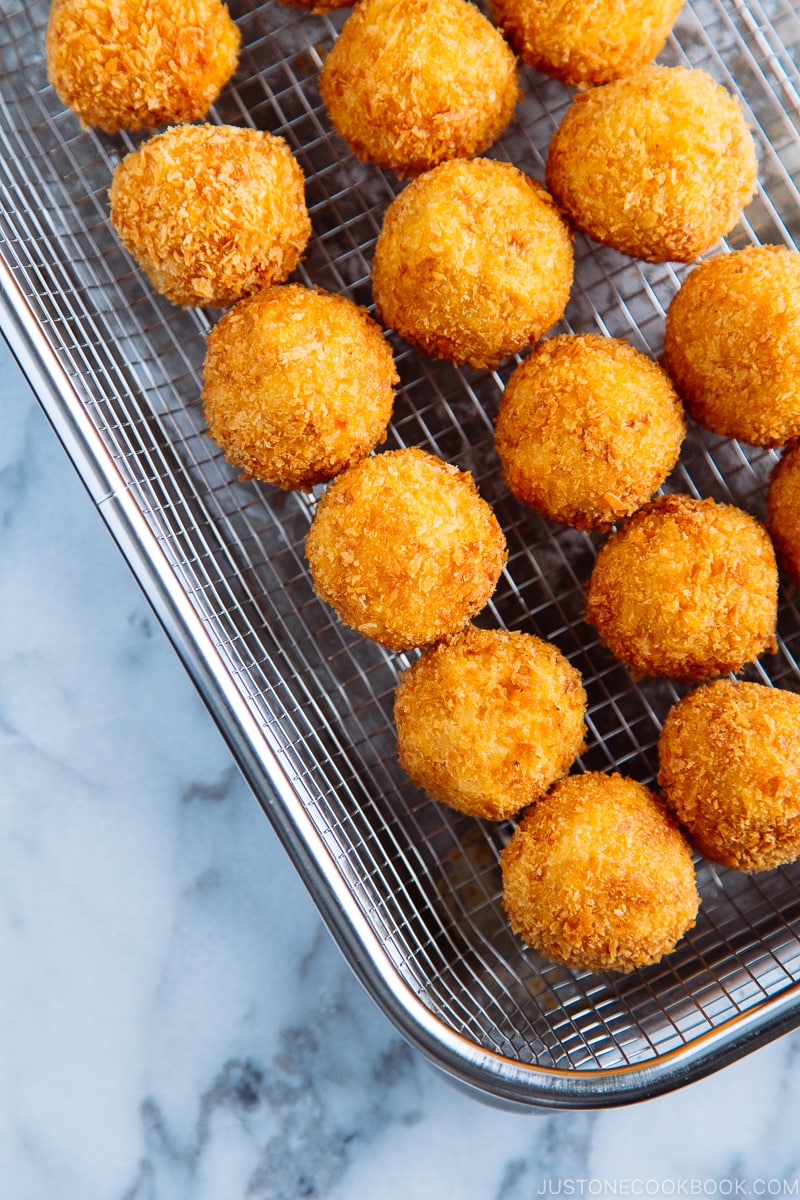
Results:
410 889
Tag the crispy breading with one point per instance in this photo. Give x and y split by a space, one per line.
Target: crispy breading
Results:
298 384
488 720
409 83
783 511
658 164
404 549
473 262
730 770
587 430
586 41
732 344
597 875
686 589
136 64
211 213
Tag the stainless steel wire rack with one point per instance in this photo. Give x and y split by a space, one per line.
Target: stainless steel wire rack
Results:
410 890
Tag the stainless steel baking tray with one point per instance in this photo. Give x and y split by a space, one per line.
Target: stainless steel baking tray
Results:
409 889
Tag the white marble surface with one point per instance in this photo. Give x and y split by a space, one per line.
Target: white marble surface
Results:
175 1022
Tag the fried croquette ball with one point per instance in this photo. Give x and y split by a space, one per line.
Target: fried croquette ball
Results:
488 720
730 770
587 430
582 42
404 549
473 262
783 511
658 164
732 344
211 213
598 877
410 83
686 589
298 385
135 64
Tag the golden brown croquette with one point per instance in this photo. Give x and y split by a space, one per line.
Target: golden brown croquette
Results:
586 41
732 344
658 164
730 770
211 213
410 83
135 64
298 384
488 720
404 549
598 877
783 511
473 262
686 589
587 430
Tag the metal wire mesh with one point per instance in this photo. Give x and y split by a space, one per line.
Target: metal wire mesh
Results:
426 879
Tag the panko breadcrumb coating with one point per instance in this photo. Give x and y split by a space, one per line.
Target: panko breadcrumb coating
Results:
473 262
658 164
732 344
410 83
488 720
730 770
783 511
135 64
298 385
211 213
686 589
587 430
597 876
586 41
404 549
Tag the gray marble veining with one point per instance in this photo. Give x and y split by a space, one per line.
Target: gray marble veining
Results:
175 1022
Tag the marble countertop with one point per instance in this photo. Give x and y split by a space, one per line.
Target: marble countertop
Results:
175 1021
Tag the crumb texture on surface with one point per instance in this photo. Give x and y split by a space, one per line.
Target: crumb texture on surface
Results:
732 344
488 720
598 877
587 430
730 768
298 384
783 511
473 262
404 549
686 589
586 41
410 83
136 64
211 213
658 164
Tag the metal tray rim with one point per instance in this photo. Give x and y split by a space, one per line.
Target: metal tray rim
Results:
484 1073
196 579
